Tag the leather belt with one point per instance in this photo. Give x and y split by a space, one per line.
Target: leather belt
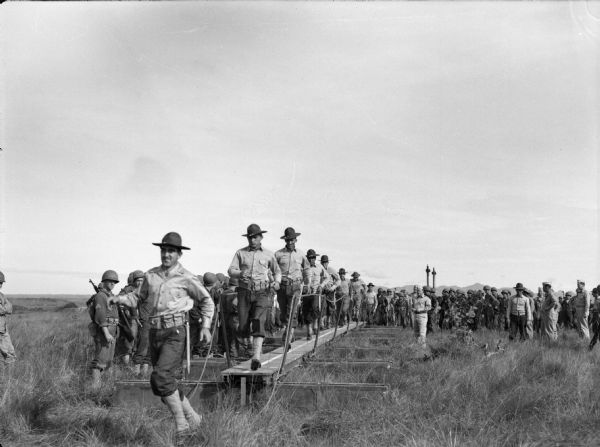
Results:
167 321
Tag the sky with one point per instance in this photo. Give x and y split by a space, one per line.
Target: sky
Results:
392 135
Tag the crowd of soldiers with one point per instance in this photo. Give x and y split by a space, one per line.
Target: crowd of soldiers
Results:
167 311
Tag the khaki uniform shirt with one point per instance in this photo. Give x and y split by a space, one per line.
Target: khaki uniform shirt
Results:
170 292
292 263
252 267
5 309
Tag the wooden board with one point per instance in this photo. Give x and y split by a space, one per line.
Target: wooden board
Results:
271 361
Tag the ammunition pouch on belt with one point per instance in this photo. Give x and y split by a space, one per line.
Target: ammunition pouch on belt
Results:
291 285
255 286
167 321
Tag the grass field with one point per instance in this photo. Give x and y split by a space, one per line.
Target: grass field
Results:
531 394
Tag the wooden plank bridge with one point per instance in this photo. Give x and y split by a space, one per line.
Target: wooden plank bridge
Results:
209 379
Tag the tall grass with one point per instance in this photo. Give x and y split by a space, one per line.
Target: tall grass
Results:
530 394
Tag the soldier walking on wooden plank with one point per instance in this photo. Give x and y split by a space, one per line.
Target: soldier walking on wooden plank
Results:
251 266
293 265
328 300
342 294
7 349
315 276
173 291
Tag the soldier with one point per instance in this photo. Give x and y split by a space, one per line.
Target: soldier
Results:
595 317
141 358
405 305
490 307
565 315
315 279
293 265
105 327
518 311
229 302
549 312
198 347
429 292
342 294
173 291
581 302
251 265
421 305
370 303
537 311
502 305
358 289
128 322
6 347
328 301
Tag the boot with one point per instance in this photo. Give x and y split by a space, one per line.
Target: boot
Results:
193 418
257 348
176 407
136 369
96 383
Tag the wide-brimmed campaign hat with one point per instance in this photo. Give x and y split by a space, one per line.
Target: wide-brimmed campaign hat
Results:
355 275
171 239
311 253
370 285
342 271
253 230
290 233
324 258
519 286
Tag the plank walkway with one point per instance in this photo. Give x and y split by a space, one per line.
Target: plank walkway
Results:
271 361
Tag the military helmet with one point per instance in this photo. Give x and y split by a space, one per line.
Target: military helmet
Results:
138 274
130 278
209 279
234 282
110 275
2 277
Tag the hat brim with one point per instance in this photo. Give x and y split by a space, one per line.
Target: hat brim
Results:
284 237
161 245
254 234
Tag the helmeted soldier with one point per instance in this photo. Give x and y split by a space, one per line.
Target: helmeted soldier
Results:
105 326
173 291
595 311
7 350
128 322
141 356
